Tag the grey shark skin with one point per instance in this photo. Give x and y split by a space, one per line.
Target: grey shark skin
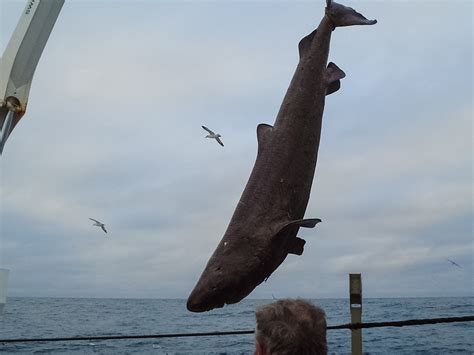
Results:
263 229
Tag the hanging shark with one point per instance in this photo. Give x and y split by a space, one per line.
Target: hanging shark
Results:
264 227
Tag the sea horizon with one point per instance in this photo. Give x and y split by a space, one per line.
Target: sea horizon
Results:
248 298
55 317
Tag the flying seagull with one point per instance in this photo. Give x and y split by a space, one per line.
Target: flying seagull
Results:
98 224
454 263
213 135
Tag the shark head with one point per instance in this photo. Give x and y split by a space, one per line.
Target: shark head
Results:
222 284
205 297
241 263
227 279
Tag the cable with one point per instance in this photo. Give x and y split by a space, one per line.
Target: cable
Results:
408 322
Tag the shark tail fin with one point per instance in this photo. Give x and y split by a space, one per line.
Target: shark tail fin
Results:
342 15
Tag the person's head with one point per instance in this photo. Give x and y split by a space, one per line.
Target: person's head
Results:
290 326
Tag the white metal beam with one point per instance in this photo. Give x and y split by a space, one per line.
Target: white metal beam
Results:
21 57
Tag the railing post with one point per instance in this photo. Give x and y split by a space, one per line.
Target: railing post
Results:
3 287
355 299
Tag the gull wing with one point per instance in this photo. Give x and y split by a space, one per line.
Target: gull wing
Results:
219 141
103 228
454 263
92 219
207 129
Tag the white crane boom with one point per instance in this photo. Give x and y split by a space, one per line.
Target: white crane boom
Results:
20 59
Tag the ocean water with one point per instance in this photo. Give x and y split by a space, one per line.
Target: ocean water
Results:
67 317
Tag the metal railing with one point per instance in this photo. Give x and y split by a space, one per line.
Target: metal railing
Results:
355 287
352 326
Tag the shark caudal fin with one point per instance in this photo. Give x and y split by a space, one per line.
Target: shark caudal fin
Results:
341 15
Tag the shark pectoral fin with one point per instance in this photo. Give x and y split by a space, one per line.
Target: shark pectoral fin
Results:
296 246
332 76
305 223
263 135
305 44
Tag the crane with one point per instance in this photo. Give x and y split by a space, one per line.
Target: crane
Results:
20 59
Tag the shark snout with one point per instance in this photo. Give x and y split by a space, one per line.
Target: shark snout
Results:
216 287
202 300
195 305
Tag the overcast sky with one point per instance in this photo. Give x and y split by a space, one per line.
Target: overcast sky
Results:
113 132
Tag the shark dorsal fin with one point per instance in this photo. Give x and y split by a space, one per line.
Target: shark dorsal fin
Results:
332 76
263 135
305 44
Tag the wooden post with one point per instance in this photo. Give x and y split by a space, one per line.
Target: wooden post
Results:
355 298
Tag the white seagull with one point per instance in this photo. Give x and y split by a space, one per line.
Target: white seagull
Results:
213 135
98 224
454 263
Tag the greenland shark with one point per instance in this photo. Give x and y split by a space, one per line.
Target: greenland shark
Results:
264 227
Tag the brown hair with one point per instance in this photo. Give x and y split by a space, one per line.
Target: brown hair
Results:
291 326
